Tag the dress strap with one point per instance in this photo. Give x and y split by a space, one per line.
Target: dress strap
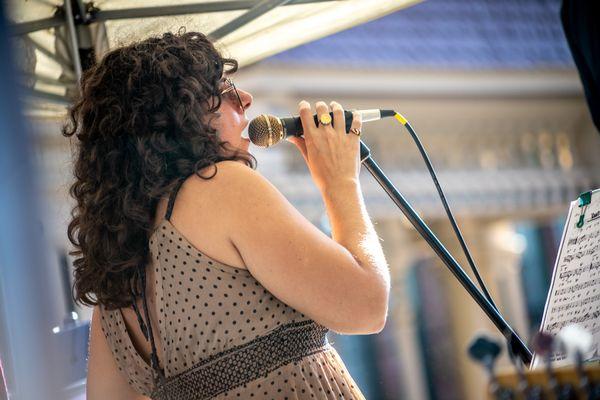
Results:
153 355
172 200
146 327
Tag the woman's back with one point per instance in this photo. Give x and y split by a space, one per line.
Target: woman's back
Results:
216 243
218 330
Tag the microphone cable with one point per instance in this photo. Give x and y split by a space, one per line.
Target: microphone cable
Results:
415 138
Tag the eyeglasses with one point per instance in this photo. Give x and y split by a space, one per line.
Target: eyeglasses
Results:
230 92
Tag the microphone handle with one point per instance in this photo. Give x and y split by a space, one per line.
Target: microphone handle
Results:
292 126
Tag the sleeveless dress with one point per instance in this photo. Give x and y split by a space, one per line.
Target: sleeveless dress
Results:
223 334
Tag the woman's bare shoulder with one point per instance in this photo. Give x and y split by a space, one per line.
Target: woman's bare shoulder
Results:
205 208
229 179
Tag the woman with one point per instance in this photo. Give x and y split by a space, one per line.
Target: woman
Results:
206 282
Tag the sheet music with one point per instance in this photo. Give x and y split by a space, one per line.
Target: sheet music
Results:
574 295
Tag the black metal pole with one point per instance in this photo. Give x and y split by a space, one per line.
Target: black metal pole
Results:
507 331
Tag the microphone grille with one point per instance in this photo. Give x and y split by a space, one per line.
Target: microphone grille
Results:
265 130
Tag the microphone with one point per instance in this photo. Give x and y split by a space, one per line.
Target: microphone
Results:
267 130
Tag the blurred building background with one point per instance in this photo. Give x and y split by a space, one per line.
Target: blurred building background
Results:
491 89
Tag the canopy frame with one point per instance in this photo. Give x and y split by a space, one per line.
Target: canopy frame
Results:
80 32
95 14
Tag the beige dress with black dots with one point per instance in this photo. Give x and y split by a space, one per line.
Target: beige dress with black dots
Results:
224 336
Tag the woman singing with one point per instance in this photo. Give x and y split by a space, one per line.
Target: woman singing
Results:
205 281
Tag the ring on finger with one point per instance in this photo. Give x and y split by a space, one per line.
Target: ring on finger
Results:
356 131
325 119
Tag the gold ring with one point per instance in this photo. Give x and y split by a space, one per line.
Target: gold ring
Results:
325 119
356 131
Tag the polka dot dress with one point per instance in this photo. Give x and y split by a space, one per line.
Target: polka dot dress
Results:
205 308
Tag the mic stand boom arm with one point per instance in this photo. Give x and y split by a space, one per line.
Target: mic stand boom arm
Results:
514 341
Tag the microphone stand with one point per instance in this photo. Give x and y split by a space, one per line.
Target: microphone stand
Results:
514 341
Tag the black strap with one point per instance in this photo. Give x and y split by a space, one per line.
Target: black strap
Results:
172 200
146 327
143 326
153 356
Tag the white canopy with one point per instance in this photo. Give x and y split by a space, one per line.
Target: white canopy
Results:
250 30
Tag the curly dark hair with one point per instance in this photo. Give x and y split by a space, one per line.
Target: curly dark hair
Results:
142 119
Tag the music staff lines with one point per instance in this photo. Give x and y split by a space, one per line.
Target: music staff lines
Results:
583 238
581 270
577 287
576 303
558 325
581 253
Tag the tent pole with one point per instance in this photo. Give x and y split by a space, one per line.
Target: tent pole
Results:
261 8
185 9
69 18
57 58
53 97
24 28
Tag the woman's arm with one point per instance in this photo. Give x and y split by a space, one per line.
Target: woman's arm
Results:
104 381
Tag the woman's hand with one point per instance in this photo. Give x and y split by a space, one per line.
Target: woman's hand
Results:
331 154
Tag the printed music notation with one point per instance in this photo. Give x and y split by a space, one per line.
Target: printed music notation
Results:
558 325
577 287
574 295
583 238
579 271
